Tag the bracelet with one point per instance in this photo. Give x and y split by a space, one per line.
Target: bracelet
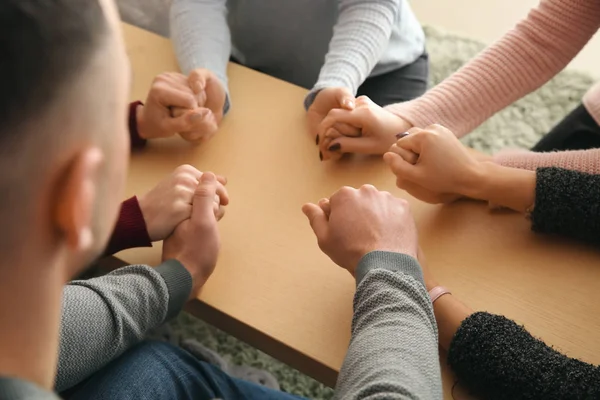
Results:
438 292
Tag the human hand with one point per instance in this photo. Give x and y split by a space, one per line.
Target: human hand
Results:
196 242
170 202
354 222
377 126
170 91
432 165
326 100
211 97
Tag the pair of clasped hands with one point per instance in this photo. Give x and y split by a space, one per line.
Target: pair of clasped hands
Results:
431 164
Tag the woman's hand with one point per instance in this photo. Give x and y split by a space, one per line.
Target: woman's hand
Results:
432 165
368 129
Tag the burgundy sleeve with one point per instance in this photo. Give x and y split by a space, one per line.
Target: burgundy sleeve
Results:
137 141
130 230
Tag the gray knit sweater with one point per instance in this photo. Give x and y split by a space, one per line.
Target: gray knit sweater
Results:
311 43
393 352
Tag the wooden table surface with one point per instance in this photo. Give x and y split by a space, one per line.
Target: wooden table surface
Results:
274 289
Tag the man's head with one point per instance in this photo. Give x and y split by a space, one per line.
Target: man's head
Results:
64 81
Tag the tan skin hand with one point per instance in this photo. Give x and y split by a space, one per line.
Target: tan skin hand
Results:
170 202
378 128
326 100
442 169
354 222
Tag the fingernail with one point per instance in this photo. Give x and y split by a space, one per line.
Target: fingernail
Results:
197 117
317 141
401 135
349 103
335 147
320 156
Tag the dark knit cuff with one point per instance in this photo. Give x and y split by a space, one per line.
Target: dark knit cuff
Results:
495 358
137 141
179 285
130 230
566 203
395 262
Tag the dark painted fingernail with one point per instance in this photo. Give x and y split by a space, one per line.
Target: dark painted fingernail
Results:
335 147
401 135
321 156
317 141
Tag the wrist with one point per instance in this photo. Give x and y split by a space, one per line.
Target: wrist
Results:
477 181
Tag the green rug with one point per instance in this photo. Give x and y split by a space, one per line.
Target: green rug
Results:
518 126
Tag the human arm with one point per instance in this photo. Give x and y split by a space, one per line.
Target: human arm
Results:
360 37
522 60
201 38
102 317
393 348
155 214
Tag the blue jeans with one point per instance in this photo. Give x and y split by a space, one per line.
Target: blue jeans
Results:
161 371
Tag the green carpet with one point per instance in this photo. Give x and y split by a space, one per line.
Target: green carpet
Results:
519 125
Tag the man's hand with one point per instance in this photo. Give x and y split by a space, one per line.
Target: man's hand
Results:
354 222
170 202
170 91
326 100
432 165
211 97
196 242
377 130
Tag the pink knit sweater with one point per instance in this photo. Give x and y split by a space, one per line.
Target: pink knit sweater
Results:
528 56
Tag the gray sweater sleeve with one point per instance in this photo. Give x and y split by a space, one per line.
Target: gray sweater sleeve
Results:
393 352
103 317
201 37
360 37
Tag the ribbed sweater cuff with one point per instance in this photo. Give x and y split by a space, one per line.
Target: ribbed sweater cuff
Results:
179 285
395 262
130 230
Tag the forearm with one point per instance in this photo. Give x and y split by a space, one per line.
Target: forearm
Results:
567 204
497 359
508 187
578 160
525 58
393 351
201 36
359 39
103 317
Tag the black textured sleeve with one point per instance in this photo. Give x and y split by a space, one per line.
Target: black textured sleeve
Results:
495 358
567 203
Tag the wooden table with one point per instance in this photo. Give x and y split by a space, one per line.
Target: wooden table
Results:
274 289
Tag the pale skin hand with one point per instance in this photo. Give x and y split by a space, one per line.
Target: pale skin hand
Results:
196 241
432 165
377 129
326 100
170 202
170 90
211 99
354 222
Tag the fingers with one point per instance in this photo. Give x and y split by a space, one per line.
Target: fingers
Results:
359 145
171 97
317 218
222 194
204 195
201 126
345 99
400 167
414 141
325 206
197 80
406 155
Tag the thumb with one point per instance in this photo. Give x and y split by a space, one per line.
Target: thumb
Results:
413 142
197 80
345 99
400 167
204 197
317 218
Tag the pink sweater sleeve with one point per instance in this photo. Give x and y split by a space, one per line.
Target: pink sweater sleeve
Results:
524 59
577 160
